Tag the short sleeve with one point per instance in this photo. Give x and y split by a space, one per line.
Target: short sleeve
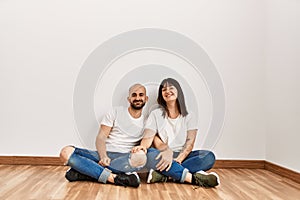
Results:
192 121
109 118
151 122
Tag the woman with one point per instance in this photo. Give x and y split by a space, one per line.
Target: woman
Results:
172 130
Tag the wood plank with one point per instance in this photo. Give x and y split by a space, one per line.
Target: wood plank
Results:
48 182
282 171
220 164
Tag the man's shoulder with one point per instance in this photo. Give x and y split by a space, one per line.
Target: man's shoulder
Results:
119 109
116 110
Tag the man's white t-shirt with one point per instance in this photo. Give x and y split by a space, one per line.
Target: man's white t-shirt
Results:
171 131
126 131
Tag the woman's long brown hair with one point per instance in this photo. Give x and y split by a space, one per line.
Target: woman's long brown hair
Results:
180 102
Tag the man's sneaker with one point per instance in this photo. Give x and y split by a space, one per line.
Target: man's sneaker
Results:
204 179
73 175
128 179
155 177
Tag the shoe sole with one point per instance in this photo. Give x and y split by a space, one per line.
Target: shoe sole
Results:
150 176
218 178
70 175
213 173
137 176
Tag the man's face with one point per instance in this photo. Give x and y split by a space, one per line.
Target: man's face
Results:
137 97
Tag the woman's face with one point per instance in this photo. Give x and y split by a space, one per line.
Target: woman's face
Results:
169 93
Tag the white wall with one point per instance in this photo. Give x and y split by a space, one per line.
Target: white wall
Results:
44 44
283 84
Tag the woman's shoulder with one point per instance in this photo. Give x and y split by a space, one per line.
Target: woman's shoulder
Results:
190 114
157 112
191 117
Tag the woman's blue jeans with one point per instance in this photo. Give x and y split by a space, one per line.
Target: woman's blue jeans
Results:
196 161
86 162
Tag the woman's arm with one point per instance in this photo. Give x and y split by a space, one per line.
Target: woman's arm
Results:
188 146
166 154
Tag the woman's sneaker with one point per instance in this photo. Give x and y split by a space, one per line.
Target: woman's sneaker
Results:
155 177
128 179
204 179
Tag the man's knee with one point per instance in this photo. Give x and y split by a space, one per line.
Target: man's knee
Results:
138 159
65 153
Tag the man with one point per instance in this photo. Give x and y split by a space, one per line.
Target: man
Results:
120 130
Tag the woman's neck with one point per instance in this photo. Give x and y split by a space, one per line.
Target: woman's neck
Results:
173 111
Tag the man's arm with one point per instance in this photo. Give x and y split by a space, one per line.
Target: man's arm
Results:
145 142
101 145
159 144
188 146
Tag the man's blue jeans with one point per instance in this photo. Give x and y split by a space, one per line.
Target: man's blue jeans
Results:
196 161
86 162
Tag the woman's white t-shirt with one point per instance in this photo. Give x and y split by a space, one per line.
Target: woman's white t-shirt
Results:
126 131
171 131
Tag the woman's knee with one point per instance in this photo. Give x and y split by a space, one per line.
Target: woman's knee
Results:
210 159
65 153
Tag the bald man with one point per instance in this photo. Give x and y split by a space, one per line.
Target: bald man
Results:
121 129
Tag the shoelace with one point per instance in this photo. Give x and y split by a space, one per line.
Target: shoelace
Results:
195 187
202 184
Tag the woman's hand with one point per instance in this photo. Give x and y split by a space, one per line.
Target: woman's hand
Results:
138 148
165 162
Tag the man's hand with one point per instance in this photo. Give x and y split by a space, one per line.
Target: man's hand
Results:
138 148
165 161
101 145
104 161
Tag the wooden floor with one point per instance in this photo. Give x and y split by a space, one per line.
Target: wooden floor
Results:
48 182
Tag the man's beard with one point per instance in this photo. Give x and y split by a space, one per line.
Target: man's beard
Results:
139 107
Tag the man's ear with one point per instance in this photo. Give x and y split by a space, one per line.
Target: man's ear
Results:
147 98
128 99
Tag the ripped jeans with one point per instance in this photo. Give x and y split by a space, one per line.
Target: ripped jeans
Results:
197 160
86 162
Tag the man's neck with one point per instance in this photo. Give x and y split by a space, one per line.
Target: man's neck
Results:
134 113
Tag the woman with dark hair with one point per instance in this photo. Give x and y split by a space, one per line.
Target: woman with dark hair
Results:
172 130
